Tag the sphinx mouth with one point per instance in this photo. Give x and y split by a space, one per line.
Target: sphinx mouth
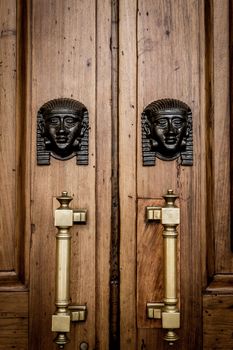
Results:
171 140
61 139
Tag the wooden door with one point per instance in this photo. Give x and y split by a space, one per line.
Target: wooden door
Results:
115 58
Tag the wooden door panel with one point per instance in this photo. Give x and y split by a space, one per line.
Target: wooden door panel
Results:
150 264
66 49
14 320
218 164
64 72
14 172
217 297
115 63
8 104
127 170
169 64
14 223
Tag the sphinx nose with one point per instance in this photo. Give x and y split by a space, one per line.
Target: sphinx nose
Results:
170 129
62 130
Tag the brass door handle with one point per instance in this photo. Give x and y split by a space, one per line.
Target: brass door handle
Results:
65 217
169 216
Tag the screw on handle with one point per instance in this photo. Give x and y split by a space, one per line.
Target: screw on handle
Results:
84 346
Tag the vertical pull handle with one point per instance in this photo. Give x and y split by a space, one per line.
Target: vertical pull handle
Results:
63 222
65 217
169 216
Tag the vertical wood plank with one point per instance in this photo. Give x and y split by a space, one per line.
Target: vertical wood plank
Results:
127 170
7 133
14 232
103 175
149 263
221 139
23 142
169 66
63 65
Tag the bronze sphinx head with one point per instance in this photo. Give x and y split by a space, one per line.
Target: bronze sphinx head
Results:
167 131
62 131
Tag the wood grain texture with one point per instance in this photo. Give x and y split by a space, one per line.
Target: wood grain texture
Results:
7 132
22 218
169 61
208 106
64 50
221 284
14 304
14 235
14 320
103 170
14 333
221 140
63 65
127 170
149 263
15 148
218 322
150 267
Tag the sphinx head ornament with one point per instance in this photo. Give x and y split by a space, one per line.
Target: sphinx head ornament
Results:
62 131
167 132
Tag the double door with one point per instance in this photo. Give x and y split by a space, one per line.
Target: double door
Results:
115 58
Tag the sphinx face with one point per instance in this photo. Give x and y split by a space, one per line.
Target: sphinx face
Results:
168 133
62 131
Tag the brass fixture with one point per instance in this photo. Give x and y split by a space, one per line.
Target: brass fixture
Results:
65 217
169 216
154 310
78 313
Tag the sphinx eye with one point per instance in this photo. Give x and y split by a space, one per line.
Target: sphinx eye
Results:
177 122
70 121
162 123
54 121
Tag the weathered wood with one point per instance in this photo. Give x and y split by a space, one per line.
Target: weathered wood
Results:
114 304
14 320
176 49
221 140
22 218
13 304
63 65
149 264
208 103
15 148
103 170
127 170
14 333
13 231
7 132
217 322
150 267
169 66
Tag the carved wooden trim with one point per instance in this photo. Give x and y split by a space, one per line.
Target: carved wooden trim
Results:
220 284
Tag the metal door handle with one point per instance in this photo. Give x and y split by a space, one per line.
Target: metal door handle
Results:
65 217
169 216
